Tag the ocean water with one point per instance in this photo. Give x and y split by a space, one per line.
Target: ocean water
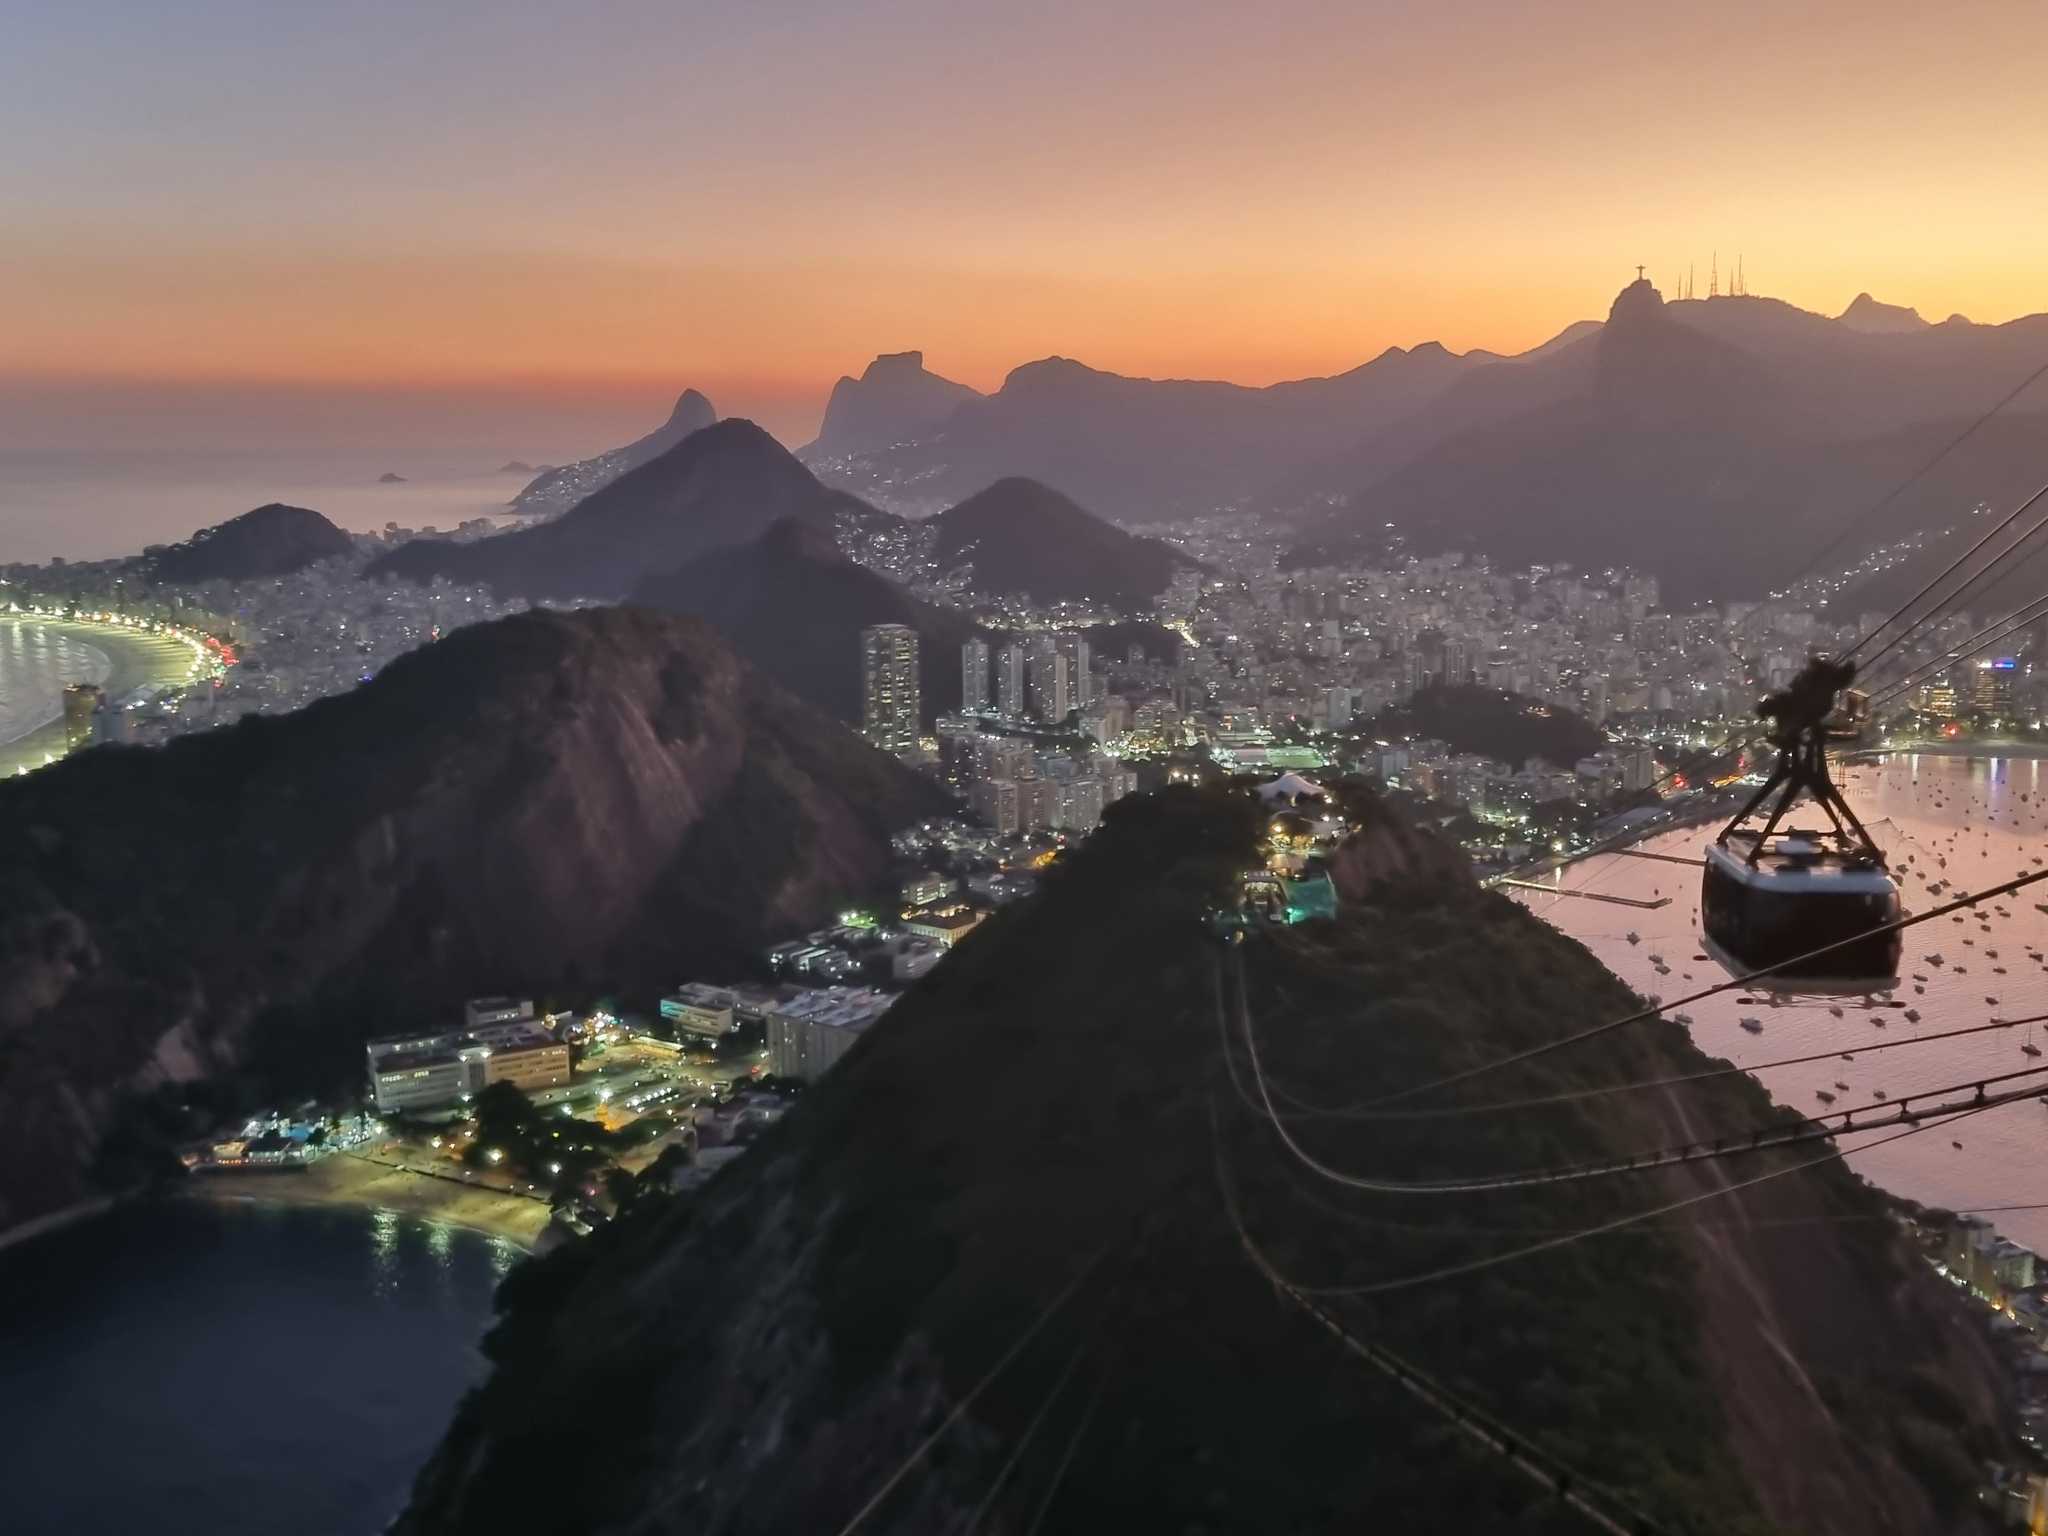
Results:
81 506
1975 822
37 663
194 1369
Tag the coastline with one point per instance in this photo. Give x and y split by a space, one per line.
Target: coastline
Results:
135 659
1994 749
345 1181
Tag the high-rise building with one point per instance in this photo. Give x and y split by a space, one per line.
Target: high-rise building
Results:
974 677
888 691
1074 646
1052 687
1992 690
1010 681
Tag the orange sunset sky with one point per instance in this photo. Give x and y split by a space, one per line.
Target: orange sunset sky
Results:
612 200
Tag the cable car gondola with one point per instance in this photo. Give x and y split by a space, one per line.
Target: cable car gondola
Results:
1770 895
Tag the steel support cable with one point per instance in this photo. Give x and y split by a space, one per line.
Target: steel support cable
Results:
1521 1452
1915 478
959 1410
1912 673
1649 1213
1066 1461
1889 1113
1962 650
1304 1111
1730 1224
1949 601
1734 983
1024 1440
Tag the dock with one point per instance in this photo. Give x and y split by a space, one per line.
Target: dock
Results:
1565 890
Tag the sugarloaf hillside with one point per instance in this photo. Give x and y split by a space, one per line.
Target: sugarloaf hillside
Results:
1026 539
272 540
558 488
1009 1266
725 484
794 607
558 804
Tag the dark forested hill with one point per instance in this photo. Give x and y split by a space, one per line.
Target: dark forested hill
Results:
724 484
997 1250
1494 723
273 540
1026 538
794 606
528 805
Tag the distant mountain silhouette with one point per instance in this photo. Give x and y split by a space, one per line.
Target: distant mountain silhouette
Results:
1137 447
722 485
561 487
1026 538
1866 314
1715 442
794 607
273 540
895 400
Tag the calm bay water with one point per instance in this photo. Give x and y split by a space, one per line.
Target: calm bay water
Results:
95 506
37 663
186 1367
1974 822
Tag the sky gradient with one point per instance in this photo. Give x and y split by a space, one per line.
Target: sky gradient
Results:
605 202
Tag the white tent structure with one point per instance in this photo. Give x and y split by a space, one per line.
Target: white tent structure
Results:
1291 787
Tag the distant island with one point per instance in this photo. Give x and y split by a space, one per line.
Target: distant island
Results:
390 477
521 467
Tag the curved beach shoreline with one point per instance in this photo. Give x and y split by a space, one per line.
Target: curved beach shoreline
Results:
135 659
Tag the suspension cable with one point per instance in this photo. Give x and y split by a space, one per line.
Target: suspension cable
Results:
1763 1139
1949 601
1759 973
1304 1111
1519 1451
1579 1234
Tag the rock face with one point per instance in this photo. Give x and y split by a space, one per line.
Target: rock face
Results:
599 801
1138 448
273 540
895 400
794 607
1867 315
724 484
1017 1200
560 487
1025 538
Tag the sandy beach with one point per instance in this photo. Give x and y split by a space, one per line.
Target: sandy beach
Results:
134 658
348 1180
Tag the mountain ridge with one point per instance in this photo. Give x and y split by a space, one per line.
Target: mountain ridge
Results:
723 484
560 487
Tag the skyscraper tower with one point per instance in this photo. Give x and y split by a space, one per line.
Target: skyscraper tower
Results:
974 677
1010 681
1052 687
889 704
1074 646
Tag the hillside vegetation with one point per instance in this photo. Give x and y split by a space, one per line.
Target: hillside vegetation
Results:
1031 1152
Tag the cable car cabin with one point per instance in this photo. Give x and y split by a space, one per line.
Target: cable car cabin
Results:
1769 897
1762 905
